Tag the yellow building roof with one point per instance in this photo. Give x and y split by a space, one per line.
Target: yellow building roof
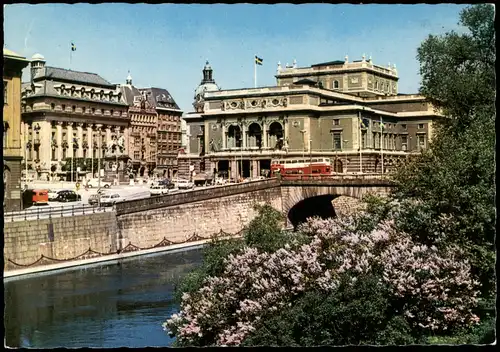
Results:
10 54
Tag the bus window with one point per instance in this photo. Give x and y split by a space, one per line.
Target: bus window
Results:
294 161
314 160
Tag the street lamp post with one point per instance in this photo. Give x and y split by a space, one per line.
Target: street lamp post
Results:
99 165
310 156
303 143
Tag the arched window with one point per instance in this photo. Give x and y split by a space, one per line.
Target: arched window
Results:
335 84
52 106
376 85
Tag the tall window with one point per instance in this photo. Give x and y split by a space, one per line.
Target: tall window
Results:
363 139
5 93
336 84
404 143
421 141
5 131
376 140
337 141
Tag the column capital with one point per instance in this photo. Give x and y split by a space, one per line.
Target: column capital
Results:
70 124
80 124
99 126
60 123
90 125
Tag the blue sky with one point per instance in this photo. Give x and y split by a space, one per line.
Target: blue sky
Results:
166 45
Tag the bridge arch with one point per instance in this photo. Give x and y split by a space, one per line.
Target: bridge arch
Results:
300 203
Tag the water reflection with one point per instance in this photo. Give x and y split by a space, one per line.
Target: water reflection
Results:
106 306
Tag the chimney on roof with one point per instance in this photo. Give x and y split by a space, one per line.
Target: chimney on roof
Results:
129 79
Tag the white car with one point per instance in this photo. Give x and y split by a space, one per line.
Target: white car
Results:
158 190
183 184
52 194
220 181
111 199
95 183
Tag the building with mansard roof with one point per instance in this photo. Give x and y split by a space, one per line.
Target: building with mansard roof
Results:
142 141
168 132
72 114
349 112
155 134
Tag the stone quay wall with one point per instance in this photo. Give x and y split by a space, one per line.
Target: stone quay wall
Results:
62 238
140 225
177 223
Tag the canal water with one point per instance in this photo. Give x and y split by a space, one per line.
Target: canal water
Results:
116 305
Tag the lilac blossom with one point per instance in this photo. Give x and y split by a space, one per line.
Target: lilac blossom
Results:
436 284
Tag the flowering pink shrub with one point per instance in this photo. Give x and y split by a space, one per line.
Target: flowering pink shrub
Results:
434 288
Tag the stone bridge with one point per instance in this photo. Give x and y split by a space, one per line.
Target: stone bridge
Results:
230 208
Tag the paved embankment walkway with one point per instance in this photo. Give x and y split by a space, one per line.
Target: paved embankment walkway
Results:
105 259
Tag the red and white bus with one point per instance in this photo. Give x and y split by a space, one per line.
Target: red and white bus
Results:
294 167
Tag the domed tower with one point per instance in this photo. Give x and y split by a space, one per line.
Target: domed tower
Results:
128 81
37 64
207 85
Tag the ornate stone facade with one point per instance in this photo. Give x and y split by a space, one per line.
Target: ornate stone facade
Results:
72 114
242 130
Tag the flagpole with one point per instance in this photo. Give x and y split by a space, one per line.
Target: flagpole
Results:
382 143
255 71
70 55
360 152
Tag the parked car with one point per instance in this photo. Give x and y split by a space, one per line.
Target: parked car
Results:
68 196
52 194
108 200
158 190
94 182
220 181
40 196
184 184
94 199
169 184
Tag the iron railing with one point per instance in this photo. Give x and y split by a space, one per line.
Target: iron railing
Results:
44 212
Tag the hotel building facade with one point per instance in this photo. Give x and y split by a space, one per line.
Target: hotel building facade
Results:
72 114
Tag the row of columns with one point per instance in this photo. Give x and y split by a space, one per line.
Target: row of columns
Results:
264 131
45 136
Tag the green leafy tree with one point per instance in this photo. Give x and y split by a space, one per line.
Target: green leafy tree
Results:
455 177
352 314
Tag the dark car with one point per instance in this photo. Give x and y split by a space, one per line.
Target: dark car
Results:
94 199
166 183
68 196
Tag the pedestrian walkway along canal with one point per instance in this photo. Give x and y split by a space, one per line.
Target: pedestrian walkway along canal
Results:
105 306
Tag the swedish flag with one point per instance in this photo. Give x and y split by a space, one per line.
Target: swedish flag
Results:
258 60
73 47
